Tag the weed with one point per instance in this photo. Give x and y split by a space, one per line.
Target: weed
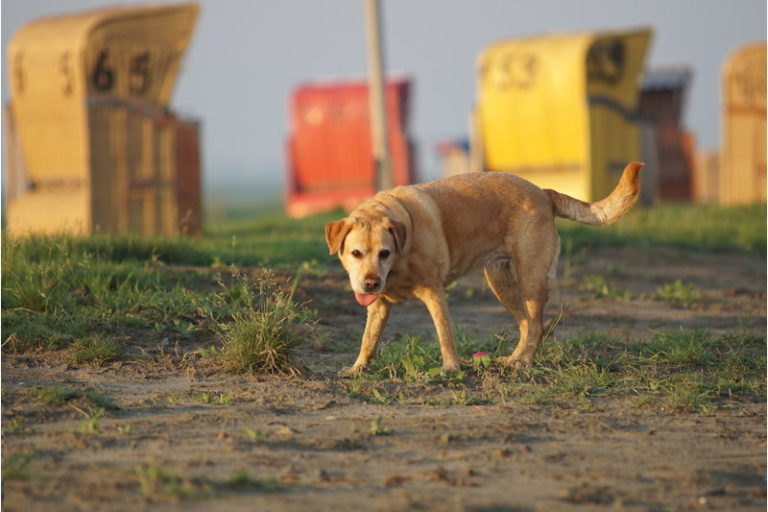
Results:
54 396
99 400
588 348
216 398
468 345
94 349
90 425
241 480
536 396
223 398
580 381
14 426
153 480
30 330
355 386
601 289
645 401
461 398
410 359
263 338
386 398
16 467
375 428
156 482
678 291
210 351
689 392
681 348
255 435
158 403
382 398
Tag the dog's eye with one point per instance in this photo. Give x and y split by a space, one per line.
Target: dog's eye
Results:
384 254
357 254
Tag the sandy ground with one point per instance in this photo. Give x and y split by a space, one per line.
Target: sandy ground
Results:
312 443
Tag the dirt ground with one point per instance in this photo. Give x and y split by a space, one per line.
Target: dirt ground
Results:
309 443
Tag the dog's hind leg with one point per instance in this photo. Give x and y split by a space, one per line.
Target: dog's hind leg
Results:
521 283
378 313
500 274
502 279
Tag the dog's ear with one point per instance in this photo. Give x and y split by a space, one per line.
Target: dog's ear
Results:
399 233
335 233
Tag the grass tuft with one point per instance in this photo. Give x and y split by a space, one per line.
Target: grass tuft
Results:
16 467
95 349
682 348
678 291
90 425
55 396
241 480
156 483
600 288
262 338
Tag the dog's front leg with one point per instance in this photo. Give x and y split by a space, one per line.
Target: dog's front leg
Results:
434 299
378 312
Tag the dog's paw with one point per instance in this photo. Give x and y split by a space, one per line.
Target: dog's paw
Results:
452 366
513 363
351 371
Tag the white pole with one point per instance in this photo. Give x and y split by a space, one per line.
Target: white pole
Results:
376 97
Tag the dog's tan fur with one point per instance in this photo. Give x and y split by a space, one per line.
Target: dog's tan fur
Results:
413 241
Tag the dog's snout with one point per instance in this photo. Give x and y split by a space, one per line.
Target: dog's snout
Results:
371 282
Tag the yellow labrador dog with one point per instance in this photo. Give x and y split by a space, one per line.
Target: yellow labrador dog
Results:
413 241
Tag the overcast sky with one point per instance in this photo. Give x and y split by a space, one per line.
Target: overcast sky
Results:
247 55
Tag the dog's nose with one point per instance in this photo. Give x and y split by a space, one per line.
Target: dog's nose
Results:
371 282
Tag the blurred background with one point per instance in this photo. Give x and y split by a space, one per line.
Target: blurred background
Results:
247 61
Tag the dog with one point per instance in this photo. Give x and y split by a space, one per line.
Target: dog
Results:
413 241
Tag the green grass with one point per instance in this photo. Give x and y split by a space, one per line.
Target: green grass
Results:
156 482
59 291
678 291
680 369
682 225
376 429
683 368
263 336
90 425
95 349
600 288
215 398
160 484
415 359
272 239
241 480
56 396
16 467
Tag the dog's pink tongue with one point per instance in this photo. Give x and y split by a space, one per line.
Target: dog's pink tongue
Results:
366 299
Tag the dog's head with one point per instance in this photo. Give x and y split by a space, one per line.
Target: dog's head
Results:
368 248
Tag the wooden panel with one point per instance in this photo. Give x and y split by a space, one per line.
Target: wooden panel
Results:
742 165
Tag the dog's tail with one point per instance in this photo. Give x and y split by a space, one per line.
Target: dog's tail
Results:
606 210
